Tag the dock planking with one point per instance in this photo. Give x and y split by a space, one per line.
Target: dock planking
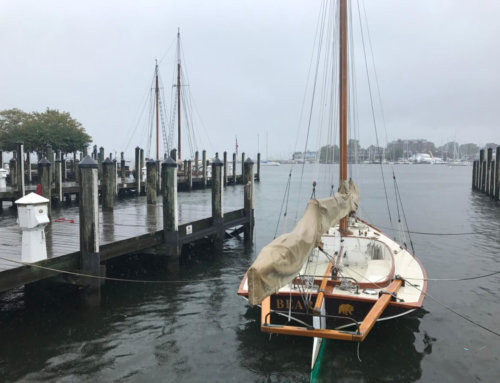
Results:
132 226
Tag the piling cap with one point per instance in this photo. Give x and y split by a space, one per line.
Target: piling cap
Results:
107 161
217 162
88 162
31 199
249 161
150 161
169 162
44 162
19 142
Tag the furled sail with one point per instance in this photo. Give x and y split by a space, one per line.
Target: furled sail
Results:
279 262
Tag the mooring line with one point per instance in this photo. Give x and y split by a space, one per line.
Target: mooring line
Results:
118 279
453 311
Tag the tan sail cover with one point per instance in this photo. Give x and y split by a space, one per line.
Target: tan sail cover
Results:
279 262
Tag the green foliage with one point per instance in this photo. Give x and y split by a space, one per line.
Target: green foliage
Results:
329 154
37 130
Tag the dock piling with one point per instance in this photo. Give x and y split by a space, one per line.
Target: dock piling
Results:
151 179
170 218
58 181
137 171
225 167
44 178
108 184
189 175
217 205
497 174
89 230
20 169
248 181
234 168
204 161
13 172
257 178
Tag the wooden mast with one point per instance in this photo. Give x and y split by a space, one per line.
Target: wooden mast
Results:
343 99
178 95
157 100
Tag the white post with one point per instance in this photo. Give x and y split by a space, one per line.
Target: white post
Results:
32 217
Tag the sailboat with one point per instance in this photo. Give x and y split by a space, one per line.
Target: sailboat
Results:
334 275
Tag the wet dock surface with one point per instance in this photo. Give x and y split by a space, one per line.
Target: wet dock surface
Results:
132 225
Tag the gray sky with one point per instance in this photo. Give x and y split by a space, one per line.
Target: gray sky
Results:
247 61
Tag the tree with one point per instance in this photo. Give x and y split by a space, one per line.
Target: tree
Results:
329 154
37 130
11 121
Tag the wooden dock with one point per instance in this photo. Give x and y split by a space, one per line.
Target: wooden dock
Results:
134 225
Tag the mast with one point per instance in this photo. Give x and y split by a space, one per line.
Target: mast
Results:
179 94
157 101
343 99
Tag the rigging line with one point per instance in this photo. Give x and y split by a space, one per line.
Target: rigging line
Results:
453 311
146 100
285 196
397 209
117 279
404 215
457 279
373 113
423 232
315 82
375 71
168 49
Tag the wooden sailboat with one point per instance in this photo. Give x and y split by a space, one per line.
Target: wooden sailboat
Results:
335 275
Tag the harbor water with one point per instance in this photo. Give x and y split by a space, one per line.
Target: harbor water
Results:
196 328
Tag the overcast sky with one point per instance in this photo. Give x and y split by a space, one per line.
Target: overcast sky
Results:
438 64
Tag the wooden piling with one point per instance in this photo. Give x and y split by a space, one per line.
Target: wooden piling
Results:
488 171
151 182
20 169
100 160
77 170
108 184
29 177
13 172
491 191
173 154
482 171
248 181
497 175
50 158
85 151
58 182
170 218
189 175
217 198
137 172
142 164
234 168
89 229
258 167
242 166
474 175
204 171
123 174
225 168
196 159
1 159
63 167
44 173
158 181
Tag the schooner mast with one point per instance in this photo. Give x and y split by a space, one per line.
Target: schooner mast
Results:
343 97
178 95
157 101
